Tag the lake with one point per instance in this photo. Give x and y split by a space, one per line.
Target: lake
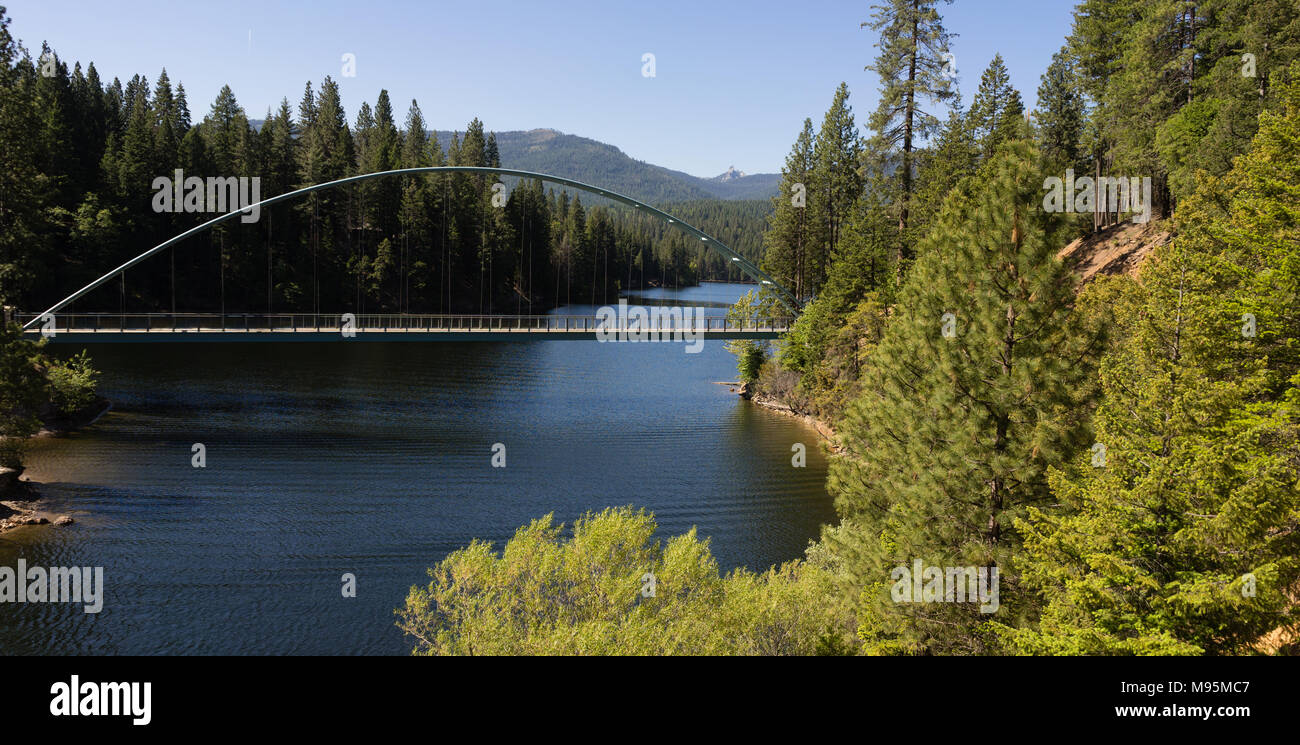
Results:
375 459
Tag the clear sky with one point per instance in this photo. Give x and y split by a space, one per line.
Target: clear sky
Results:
733 80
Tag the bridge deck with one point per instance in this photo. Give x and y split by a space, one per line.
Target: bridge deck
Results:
162 328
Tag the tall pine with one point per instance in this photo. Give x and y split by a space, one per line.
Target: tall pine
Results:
997 109
793 224
979 385
914 74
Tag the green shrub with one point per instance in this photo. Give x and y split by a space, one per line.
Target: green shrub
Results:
586 593
750 362
72 383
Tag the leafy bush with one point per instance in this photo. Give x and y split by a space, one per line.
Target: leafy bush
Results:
586 593
779 384
750 354
72 383
750 362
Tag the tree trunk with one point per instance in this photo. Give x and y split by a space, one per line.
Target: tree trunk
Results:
909 113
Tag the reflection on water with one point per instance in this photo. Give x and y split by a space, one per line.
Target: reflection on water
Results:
374 459
714 297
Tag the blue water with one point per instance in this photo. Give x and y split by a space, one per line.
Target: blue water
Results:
375 459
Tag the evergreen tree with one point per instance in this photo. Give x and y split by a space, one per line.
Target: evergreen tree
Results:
386 156
1154 81
912 68
114 98
955 155
135 167
1230 88
793 224
1098 26
182 109
22 185
226 135
996 112
56 115
167 123
325 151
837 153
281 161
415 205
979 384
92 128
832 334
279 175
368 160
364 140
1060 115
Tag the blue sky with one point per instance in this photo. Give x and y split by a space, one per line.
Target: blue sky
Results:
733 80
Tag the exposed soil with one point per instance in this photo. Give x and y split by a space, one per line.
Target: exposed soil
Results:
1119 249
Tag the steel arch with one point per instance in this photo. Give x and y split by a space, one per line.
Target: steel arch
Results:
784 296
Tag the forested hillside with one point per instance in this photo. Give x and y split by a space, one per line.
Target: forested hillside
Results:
81 156
1157 92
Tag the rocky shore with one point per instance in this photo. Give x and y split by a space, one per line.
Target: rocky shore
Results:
16 496
19 498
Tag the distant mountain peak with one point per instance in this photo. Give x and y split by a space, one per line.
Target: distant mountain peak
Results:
549 150
731 174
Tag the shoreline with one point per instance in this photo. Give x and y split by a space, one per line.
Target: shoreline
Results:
19 497
829 437
826 431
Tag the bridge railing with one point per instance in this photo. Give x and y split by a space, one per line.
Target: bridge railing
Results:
382 322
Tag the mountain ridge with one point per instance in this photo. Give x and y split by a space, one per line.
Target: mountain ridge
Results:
599 163
557 153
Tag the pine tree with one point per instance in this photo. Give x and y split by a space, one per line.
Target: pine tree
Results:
954 156
325 154
281 166
831 335
794 222
23 188
979 385
1230 88
414 205
136 168
387 156
912 69
837 153
997 109
167 125
1060 115
1094 41
366 150
363 139
279 174
226 134
330 137
1155 80
182 109
56 114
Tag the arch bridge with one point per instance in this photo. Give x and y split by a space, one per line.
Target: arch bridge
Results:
59 326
